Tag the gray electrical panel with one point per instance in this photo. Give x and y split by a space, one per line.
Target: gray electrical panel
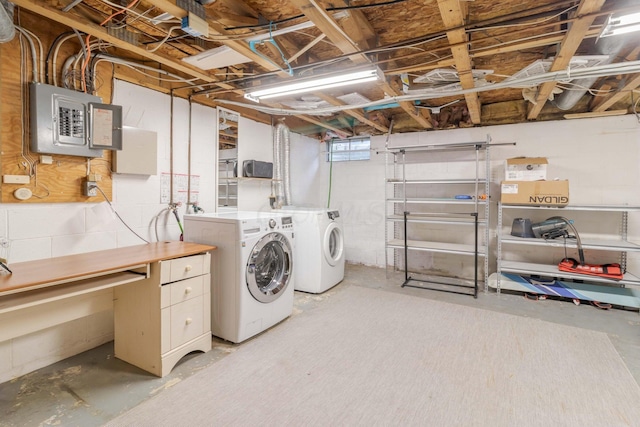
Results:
65 121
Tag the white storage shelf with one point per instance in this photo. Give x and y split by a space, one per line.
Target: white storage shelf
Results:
435 200
547 270
438 181
436 220
620 245
430 205
597 244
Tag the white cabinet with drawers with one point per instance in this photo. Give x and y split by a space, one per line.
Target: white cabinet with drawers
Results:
160 320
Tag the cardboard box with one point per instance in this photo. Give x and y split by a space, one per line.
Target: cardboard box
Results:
525 169
535 193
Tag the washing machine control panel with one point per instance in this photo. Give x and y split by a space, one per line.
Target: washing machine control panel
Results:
333 215
287 222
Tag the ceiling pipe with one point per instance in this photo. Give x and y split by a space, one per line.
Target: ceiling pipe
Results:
7 29
610 46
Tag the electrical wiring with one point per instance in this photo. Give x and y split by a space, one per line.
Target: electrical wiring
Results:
38 59
578 87
140 67
34 57
524 24
164 40
27 162
88 46
330 9
118 215
630 67
52 48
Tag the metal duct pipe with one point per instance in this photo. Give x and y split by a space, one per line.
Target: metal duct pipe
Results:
7 29
605 46
286 164
281 187
277 196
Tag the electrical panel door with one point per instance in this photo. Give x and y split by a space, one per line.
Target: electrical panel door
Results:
61 121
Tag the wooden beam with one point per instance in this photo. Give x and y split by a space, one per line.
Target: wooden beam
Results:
423 117
568 48
590 114
619 95
602 103
357 27
453 14
74 21
358 115
243 48
326 24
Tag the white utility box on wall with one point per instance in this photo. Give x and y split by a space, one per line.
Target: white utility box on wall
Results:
139 154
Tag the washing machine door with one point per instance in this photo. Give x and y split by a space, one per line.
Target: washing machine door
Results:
333 245
269 267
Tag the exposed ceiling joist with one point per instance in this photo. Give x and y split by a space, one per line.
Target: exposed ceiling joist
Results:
570 44
97 31
632 83
453 14
325 23
353 113
170 7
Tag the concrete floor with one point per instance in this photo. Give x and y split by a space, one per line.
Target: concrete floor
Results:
94 387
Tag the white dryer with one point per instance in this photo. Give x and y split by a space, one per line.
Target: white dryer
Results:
319 250
252 269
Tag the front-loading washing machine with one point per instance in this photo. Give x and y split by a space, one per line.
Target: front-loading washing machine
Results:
319 248
252 269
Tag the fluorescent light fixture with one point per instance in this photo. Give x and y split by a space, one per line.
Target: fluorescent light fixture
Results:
621 25
311 85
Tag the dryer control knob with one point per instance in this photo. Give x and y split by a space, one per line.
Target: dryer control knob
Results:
272 223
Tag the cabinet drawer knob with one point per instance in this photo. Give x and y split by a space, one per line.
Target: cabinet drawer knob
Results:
187 268
187 290
188 321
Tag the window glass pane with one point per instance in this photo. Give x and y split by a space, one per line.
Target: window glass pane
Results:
342 150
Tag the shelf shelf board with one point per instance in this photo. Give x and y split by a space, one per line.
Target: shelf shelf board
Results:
449 201
439 147
603 208
437 220
599 244
437 181
448 248
247 178
547 270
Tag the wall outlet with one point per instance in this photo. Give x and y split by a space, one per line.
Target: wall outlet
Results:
15 179
89 188
46 160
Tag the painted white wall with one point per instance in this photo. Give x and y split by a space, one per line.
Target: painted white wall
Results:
40 231
599 157
254 143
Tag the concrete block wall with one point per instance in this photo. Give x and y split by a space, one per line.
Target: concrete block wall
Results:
599 157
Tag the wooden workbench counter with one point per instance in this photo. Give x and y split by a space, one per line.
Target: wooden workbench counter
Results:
59 270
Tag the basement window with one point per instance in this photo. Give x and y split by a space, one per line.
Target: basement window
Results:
345 150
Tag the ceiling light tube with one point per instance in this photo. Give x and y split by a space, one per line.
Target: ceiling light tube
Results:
621 25
310 85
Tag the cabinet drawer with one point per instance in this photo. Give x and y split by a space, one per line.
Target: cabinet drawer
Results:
187 289
187 321
184 268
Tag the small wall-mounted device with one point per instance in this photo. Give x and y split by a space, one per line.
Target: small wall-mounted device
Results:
72 123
